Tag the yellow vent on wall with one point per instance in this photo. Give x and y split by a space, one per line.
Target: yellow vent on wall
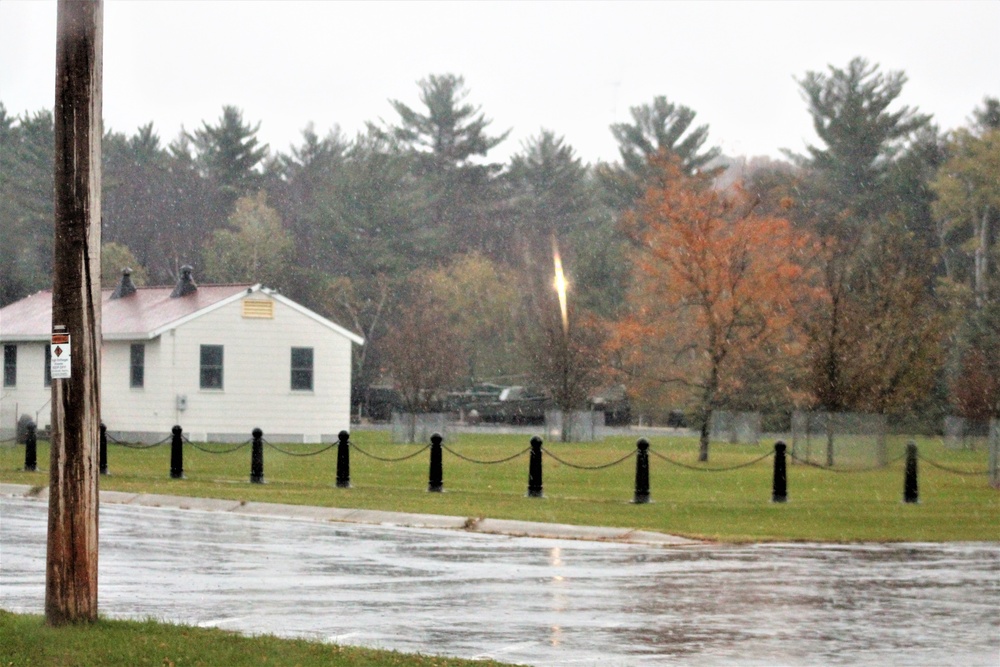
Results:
258 309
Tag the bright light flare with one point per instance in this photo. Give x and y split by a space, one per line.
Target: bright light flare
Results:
560 285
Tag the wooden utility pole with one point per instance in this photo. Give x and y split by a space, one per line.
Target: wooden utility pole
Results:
71 568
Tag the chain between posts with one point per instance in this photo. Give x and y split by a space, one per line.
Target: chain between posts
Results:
215 451
955 471
391 460
599 467
472 460
934 464
881 466
137 445
285 451
700 469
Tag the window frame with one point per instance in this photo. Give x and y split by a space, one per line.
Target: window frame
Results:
207 371
9 365
302 371
137 371
47 371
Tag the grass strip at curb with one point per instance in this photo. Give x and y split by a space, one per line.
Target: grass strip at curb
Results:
29 642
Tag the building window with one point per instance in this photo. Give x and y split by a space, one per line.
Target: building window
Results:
137 365
48 365
302 368
211 367
10 365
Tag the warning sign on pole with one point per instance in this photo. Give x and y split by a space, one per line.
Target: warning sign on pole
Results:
59 365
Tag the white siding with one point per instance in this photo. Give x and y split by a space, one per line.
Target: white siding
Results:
129 410
257 376
29 396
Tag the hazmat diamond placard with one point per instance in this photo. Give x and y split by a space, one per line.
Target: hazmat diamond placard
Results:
59 359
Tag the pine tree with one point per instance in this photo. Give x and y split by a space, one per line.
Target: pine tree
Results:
447 142
549 191
660 129
230 156
553 193
861 139
26 205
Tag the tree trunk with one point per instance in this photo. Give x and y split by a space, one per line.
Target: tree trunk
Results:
982 255
829 439
708 407
71 566
703 440
945 250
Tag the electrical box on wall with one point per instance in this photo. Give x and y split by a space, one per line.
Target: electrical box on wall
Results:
182 402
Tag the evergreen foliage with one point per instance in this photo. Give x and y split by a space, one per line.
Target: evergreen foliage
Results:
447 142
861 137
904 274
660 129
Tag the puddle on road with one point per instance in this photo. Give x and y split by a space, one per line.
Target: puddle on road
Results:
534 601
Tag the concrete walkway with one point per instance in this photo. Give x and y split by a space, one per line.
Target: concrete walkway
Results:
374 517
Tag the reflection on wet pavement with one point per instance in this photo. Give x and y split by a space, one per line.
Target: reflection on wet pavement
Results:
535 601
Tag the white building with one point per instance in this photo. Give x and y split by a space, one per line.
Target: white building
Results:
219 360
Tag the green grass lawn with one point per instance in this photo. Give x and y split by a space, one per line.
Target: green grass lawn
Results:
732 506
28 642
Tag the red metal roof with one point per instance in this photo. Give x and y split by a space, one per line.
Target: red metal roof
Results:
135 316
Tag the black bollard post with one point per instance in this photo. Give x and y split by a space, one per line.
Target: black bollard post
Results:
104 449
779 489
642 473
911 493
344 460
176 454
535 469
257 458
436 483
31 448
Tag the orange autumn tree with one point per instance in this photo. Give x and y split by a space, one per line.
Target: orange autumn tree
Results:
714 295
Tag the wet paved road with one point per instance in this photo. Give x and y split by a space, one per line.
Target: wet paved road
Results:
529 600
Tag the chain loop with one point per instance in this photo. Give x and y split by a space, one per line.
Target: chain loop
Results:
599 467
954 471
136 445
881 466
216 451
285 451
390 460
472 460
700 469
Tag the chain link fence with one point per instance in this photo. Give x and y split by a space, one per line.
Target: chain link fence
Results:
410 427
966 434
843 439
736 428
577 425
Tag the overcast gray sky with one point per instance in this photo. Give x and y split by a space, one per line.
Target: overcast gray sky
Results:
572 67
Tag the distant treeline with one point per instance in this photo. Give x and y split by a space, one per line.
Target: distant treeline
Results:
883 242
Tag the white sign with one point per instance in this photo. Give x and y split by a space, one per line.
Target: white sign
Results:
59 364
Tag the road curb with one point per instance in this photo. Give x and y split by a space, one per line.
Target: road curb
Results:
372 517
